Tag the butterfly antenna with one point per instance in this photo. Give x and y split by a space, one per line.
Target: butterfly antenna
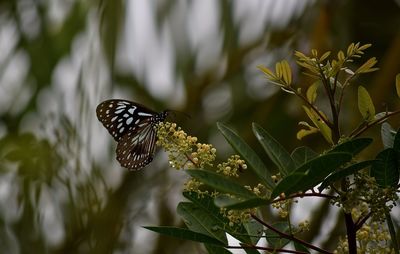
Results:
175 112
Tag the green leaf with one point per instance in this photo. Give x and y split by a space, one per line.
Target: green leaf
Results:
385 168
387 134
318 122
300 247
270 75
220 183
201 221
278 70
185 234
254 229
324 56
290 184
344 172
303 154
206 203
365 104
312 92
248 154
311 173
396 142
306 132
228 202
274 239
213 249
367 66
353 146
279 156
286 72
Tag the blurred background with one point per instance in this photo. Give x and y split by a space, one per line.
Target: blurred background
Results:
61 189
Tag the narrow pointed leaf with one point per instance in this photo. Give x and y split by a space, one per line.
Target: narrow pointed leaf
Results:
273 238
312 92
305 132
353 146
324 56
311 173
220 183
200 221
300 247
279 156
365 104
255 229
185 234
350 170
206 203
286 72
248 154
290 184
318 122
213 249
367 66
227 202
303 154
267 72
385 168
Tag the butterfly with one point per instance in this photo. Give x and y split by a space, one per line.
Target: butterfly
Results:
133 126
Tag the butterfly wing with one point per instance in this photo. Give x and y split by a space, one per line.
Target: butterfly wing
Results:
121 116
136 150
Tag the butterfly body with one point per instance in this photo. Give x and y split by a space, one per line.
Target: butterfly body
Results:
132 125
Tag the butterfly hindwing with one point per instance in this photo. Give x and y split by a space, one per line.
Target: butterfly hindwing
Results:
135 151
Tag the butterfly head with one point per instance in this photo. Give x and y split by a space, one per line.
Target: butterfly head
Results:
160 117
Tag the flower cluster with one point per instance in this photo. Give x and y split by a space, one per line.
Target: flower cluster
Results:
371 238
193 185
232 166
236 217
304 226
183 150
380 200
283 207
260 190
365 196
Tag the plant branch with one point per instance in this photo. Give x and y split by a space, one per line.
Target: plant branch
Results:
359 223
313 108
358 131
330 92
297 195
290 237
345 84
351 233
245 246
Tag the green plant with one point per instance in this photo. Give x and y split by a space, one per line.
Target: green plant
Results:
365 189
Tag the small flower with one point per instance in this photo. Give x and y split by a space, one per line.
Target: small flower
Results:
183 150
232 166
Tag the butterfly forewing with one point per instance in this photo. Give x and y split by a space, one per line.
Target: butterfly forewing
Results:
132 126
121 116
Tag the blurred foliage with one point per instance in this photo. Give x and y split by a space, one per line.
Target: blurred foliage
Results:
57 195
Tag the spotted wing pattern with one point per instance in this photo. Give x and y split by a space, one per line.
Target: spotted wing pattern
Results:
132 126
121 116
